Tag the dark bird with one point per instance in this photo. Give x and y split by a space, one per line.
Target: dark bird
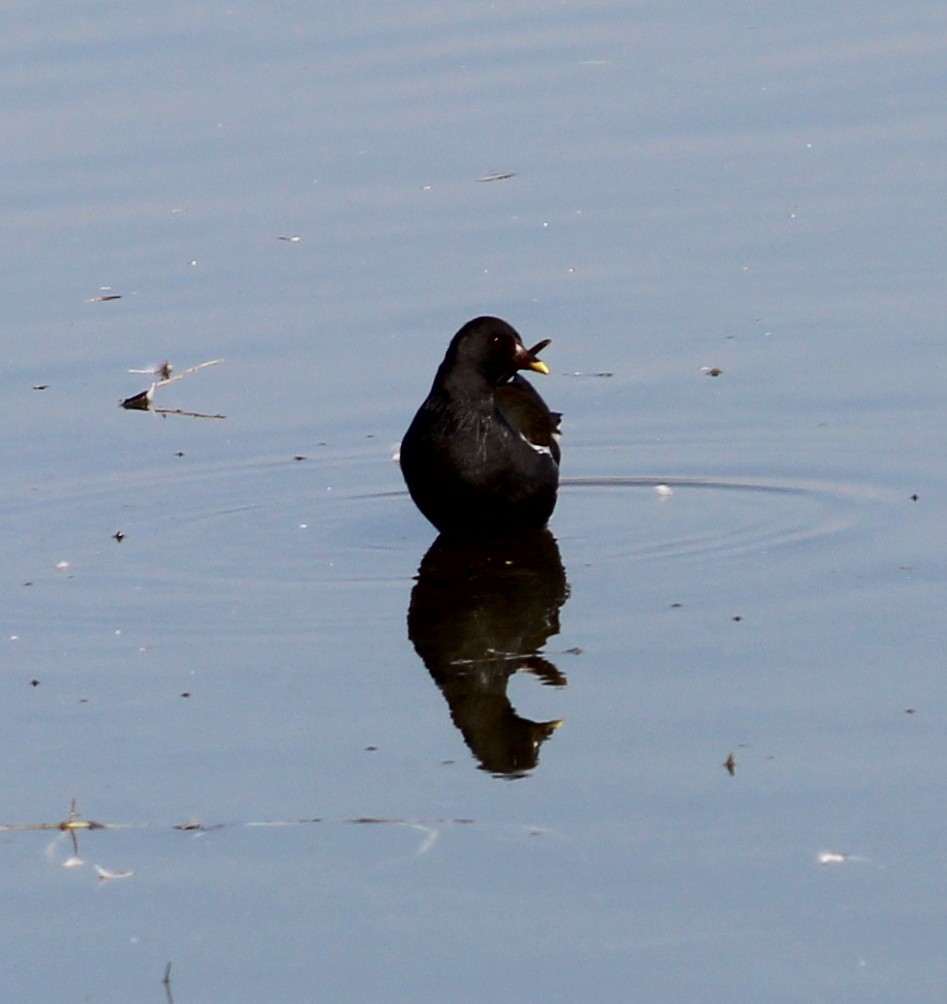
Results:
482 454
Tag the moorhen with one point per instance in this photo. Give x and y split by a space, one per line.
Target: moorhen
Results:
482 454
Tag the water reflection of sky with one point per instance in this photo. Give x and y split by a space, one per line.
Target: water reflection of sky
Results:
747 188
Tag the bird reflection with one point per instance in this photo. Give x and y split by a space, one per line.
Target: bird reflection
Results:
481 611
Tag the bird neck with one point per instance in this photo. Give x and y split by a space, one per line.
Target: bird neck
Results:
469 387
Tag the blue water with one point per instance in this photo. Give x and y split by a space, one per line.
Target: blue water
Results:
740 564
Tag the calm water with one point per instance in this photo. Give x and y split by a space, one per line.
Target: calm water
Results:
256 687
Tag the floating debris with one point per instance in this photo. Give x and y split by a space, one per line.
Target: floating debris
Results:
663 491
163 371
69 830
430 838
713 371
836 858
71 826
144 400
196 826
166 983
186 414
140 402
107 875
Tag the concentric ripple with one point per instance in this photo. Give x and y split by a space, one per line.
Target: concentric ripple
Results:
691 517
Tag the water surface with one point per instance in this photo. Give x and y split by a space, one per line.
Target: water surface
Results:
752 564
